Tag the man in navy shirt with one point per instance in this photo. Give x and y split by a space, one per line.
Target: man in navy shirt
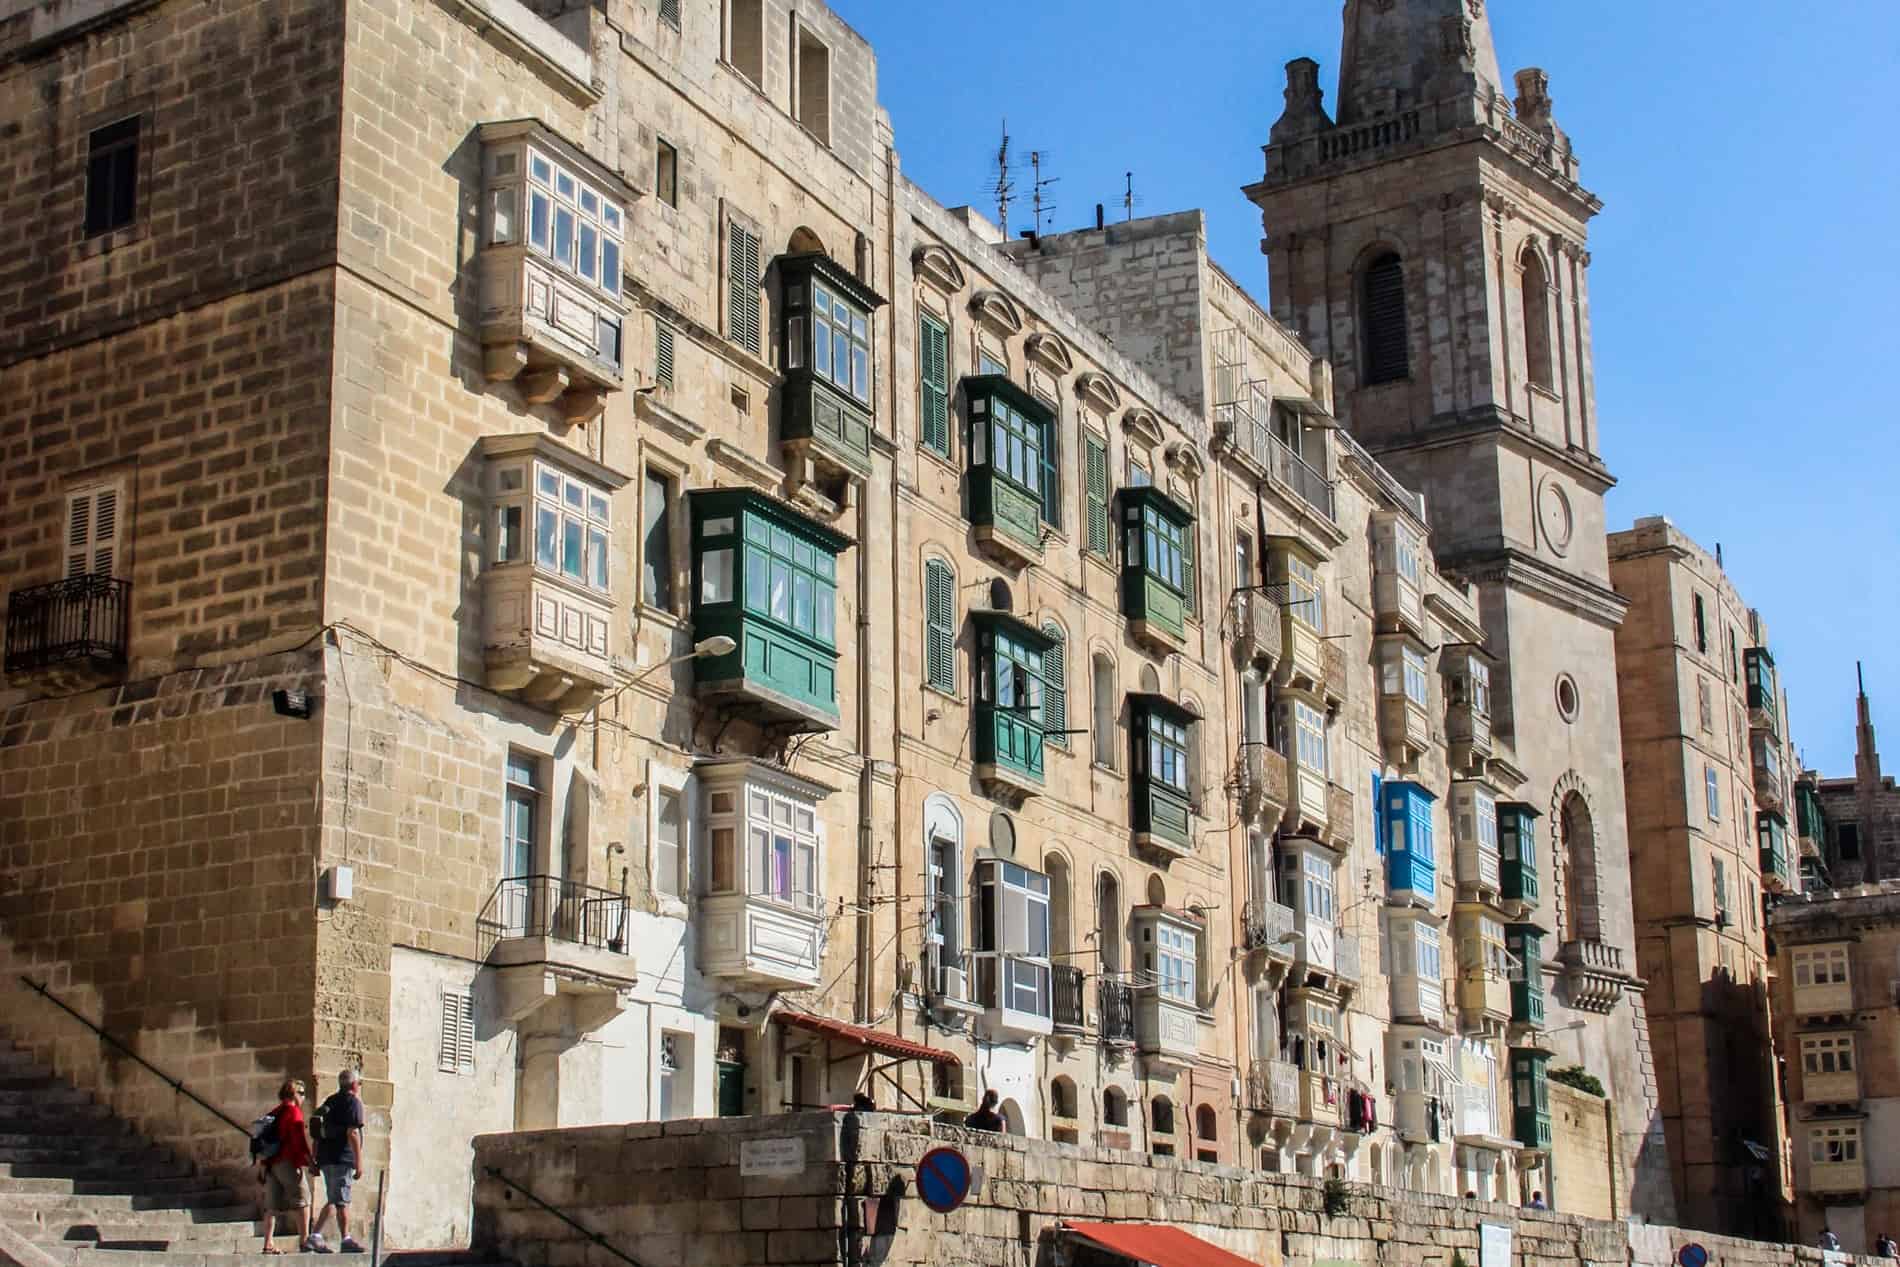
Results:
340 1157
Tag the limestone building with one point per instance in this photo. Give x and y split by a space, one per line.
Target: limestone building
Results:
1836 994
1706 746
1857 820
1429 238
564 581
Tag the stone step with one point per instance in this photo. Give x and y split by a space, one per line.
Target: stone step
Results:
50 1091
82 1256
59 1119
86 1166
42 1150
127 1183
50 1205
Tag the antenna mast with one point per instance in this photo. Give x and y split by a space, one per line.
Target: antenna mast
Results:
1128 197
1041 183
1004 185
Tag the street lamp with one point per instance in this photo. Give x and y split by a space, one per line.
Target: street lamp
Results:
717 645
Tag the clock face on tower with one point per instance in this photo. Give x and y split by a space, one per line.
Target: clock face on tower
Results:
1554 518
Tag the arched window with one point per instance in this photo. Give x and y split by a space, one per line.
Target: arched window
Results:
1161 1126
1114 1107
1580 871
1206 1134
1108 923
1013 1123
1061 923
1062 1098
1196 758
1103 685
1382 317
1536 289
1055 688
946 971
940 626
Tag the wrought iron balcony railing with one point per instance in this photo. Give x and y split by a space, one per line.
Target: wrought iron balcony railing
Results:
81 619
1069 986
1268 926
1117 1002
548 906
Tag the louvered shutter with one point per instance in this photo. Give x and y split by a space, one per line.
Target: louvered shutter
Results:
670 13
1387 356
1055 689
933 357
1190 543
940 665
92 531
742 276
663 355
456 1051
1096 479
1052 474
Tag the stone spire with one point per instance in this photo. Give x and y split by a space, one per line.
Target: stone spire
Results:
1401 54
1866 778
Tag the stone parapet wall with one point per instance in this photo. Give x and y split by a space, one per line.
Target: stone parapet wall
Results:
676 1192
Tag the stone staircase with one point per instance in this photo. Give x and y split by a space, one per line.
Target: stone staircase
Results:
86 1191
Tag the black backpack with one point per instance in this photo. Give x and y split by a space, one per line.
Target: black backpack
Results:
265 1142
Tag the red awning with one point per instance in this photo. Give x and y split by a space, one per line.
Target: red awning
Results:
871 1039
1156 1244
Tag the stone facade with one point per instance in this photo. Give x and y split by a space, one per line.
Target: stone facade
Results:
1706 743
586 595
1854 823
1835 999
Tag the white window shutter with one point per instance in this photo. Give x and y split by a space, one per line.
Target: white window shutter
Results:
456 1052
92 531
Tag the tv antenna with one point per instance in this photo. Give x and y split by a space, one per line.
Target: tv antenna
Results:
1041 182
1002 186
1130 199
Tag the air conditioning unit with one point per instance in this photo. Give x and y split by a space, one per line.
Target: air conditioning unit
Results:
956 985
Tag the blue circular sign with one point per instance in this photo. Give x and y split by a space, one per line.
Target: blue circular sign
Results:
943 1179
1693 1255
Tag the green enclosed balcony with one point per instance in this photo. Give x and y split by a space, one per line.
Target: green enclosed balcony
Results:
1530 1096
1009 720
1526 945
1777 860
1517 853
1161 811
766 577
1157 566
1764 690
826 420
1012 463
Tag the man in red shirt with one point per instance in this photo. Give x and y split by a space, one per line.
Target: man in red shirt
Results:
282 1172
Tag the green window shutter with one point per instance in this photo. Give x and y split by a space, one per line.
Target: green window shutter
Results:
742 277
1051 475
1055 690
1096 479
1188 587
933 363
940 635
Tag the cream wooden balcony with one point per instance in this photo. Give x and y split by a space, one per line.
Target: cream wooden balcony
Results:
1838 1182
1273 1088
1830 1088
1322 1098
1167 1030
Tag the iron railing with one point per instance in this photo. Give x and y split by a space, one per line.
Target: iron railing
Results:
1069 989
1268 926
1292 470
176 1084
1117 1002
79 618
548 906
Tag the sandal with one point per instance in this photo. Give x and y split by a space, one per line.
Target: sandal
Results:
273 1251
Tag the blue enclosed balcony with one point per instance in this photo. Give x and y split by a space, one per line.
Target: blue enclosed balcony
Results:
1405 811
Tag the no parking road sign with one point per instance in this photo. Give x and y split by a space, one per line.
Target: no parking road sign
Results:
943 1179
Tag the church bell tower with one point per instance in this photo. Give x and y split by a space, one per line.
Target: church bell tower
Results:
1429 238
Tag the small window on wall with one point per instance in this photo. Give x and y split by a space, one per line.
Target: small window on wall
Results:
572 223
814 85
745 39
92 531
571 522
670 13
1712 786
656 547
666 173
455 1053
669 852
112 177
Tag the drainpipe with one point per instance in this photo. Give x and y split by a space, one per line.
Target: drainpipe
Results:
861 1009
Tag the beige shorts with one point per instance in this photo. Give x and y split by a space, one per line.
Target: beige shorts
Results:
284 1187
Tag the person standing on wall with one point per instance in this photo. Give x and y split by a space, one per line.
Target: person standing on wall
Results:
340 1158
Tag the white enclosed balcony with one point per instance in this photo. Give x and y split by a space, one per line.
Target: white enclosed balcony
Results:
761 919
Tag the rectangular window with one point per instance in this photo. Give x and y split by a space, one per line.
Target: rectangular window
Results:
1316 896
814 85
92 531
1013 932
790 581
666 173
664 350
656 542
1305 600
1718 879
670 13
1164 549
585 234
669 855
1705 706
1834 1145
840 343
1832 1053
742 287
1701 618
521 815
112 177
1016 442
1095 477
933 375
1310 737
1174 964
1712 785
1168 753
455 1052
745 39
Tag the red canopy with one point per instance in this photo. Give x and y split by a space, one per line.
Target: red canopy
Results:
871 1039
1154 1243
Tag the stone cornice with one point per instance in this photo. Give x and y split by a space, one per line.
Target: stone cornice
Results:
1529 574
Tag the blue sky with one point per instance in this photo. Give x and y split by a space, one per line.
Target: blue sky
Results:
1743 275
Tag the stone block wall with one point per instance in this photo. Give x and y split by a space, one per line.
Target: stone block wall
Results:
676 1192
157 849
